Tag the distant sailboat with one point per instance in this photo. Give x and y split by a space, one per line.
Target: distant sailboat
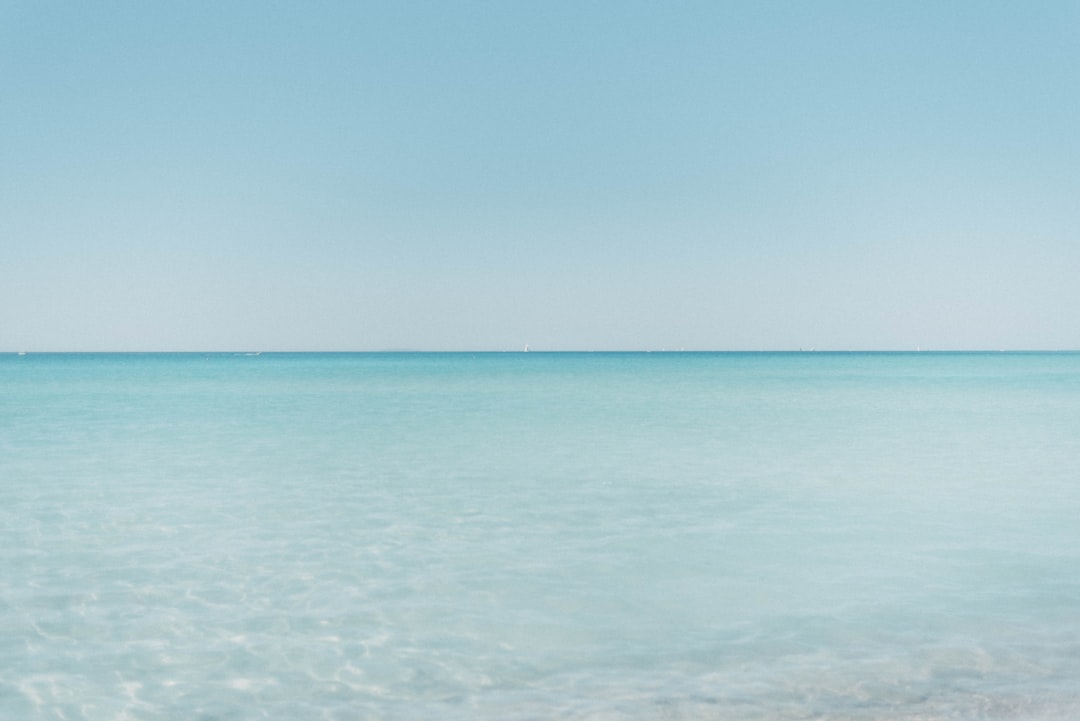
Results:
526 348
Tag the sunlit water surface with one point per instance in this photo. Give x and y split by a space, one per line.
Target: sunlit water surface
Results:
540 536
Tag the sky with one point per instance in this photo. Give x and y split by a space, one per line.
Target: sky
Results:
462 175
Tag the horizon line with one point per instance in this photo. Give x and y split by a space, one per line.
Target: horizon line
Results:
404 351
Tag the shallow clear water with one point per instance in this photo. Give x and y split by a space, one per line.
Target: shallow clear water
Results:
535 536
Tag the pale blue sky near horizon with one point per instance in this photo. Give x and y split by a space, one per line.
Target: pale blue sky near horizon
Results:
567 175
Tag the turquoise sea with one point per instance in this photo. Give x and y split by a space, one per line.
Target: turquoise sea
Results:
601 536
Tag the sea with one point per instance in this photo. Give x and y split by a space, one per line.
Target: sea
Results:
526 536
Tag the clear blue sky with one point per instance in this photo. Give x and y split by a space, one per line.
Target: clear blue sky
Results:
571 175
